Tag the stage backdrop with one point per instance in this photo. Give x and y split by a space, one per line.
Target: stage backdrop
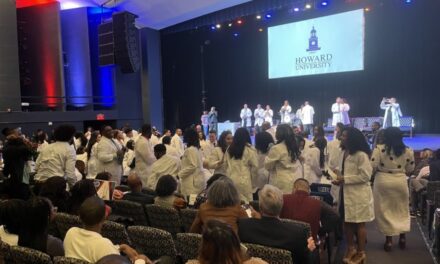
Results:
402 51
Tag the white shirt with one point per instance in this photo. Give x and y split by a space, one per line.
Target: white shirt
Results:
177 143
144 153
42 146
334 153
307 114
92 163
312 169
107 160
245 115
340 114
206 147
87 245
128 159
166 165
191 172
154 140
57 159
216 162
8 238
268 116
285 114
172 151
259 116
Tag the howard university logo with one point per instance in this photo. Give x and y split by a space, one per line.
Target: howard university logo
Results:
315 60
313 41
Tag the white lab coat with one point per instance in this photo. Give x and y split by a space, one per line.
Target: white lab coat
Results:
128 159
262 174
285 114
191 173
307 114
259 116
206 147
216 162
144 154
154 140
243 171
246 117
312 170
334 153
282 170
396 113
340 114
172 151
358 196
106 154
177 143
268 116
92 164
166 165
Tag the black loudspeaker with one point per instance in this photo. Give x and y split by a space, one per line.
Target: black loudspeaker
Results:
126 47
106 44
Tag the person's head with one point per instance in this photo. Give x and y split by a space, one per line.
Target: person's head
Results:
285 134
201 135
267 107
205 112
114 259
258 106
426 154
191 138
89 129
159 151
339 128
146 130
107 132
179 132
393 100
306 103
130 144
81 167
213 178
245 106
318 132
128 132
103 176
167 132
393 140
321 144
117 134
297 131
212 136
212 108
54 189
7 132
82 190
301 184
92 213
41 137
339 100
12 214
241 139
94 138
64 133
301 142
134 183
166 186
375 126
353 141
380 137
263 141
223 193
265 126
225 140
166 140
199 129
271 201
220 244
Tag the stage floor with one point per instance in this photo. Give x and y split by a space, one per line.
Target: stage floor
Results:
421 141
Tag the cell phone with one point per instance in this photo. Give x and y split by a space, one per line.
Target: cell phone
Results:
248 210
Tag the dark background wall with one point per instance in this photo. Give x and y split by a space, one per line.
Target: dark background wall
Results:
402 50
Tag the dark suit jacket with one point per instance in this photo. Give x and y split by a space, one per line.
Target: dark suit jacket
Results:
434 170
271 232
141 198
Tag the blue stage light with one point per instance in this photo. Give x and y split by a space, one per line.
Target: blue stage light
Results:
296 9
212 27
408 1
268 16
235 34
324 3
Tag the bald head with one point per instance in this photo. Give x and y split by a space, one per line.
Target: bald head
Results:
134 182
301 185
92 212
114 259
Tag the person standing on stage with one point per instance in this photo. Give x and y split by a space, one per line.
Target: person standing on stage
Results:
213 119
392 162
285 111
204 119
340 112
246 117
268 115
259 118
307 117
297 120
392 112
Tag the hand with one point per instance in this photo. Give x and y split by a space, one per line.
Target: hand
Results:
311 244
145 258
337 172
118 195
338 181
129 251
254 213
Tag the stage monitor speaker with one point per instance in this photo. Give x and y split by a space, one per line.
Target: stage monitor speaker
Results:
126 42
106 44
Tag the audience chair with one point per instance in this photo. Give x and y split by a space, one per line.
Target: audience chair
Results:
5 252
152 242
167 219
187 217
271 255
188 245
64 260
64 222
132 210
304 226
431 189
23 255
149 191
122 188
115 232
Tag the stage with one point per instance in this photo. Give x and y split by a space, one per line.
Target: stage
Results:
421 141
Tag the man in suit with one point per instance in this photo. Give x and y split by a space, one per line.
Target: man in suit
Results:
270 231
110 155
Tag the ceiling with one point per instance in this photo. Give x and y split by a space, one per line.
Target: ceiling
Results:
159 14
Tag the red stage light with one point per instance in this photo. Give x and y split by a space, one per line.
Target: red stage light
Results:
27 3
239 22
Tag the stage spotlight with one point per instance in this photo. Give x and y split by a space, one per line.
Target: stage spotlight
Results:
239 22
268 16
258 17
230 25
212 27
408 1
235 34
296 9
308 6
324 3
218 26
260 29
367 9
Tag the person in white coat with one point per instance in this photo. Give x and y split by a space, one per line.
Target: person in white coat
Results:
263 142
246 116
128 159
285 111
259 117
191 172
242 163
109 155
164 165
177 142
392 112
144 155
216 160
307 114
268 115
356 202
283 160
311 156
171 151
340 112
92 163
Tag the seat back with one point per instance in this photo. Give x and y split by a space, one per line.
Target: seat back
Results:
5 252
64 260
167 219
305 227
115 232
64 222
431 188
188 245
122 188
271 255
187 217
320 187
152 242
23 255
134 211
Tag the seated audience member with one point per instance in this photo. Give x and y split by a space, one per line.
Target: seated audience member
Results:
164 165
434 167
166 193
419 178
54 189
301 207
172 151
203 196
79 193
221 245
115 259
127 163
103 176
34 233
58 159
135 194
87 243
11 216
223 204
270 231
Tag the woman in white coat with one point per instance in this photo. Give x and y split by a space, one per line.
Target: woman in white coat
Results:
392 162
242 163
263 142
92 169
311 156
283 160
191 173
216 160
144 154
356 202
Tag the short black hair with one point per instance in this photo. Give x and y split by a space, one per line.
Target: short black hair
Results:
160 148
130 144
128 130
166 186
64 133
166 140
92 211
104 176
11 215
146 129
